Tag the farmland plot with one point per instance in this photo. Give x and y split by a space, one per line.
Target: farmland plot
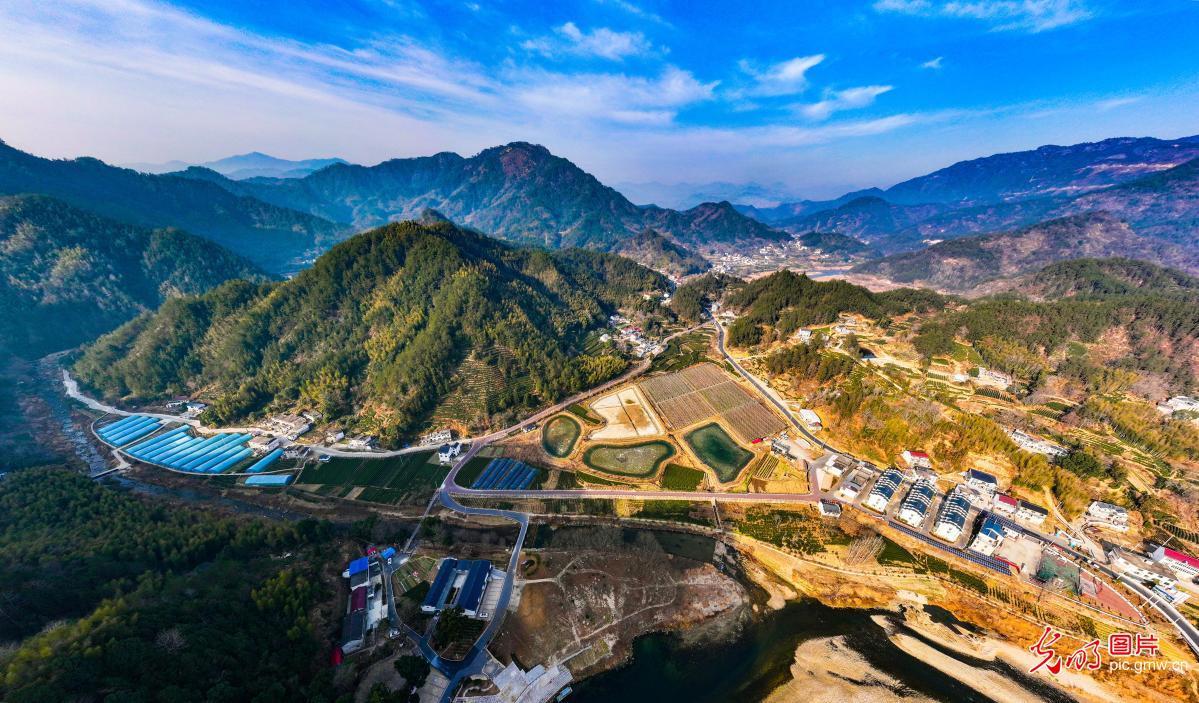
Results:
705 391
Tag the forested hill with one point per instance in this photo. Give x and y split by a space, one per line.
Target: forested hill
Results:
382 330
108 596
67 276
774 306
519 192
275 238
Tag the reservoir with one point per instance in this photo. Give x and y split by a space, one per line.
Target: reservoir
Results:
758 661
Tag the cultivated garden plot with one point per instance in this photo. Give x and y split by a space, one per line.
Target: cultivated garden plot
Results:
703 392
626 414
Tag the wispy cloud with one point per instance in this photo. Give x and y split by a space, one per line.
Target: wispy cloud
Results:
635 10
1115 103
838 100
601 42
1002 15
613 97
784 78
933 64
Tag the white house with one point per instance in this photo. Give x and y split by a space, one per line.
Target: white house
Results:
883 490
449 452
333 436
981 481
1187 567
951 521
915 506
362 442
1038 446
1138 567
989 538
851 486
916 459
1005 505
1109 515
1031 512
804 335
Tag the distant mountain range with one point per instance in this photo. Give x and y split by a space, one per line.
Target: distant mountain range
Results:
519 192
1151 185
681 196
67 276
989 262
276 238
252 165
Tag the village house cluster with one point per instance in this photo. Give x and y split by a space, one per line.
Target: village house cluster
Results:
632 338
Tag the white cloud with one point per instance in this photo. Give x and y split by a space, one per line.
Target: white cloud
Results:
1003 15
602 42
613 97
634 10
933 64
839 100
783 78
1114 103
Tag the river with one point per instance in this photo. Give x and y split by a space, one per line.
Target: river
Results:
664 669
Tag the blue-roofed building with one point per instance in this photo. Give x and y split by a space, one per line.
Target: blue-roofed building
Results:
981 481
883 490
915 506
951 521
989 536
459 584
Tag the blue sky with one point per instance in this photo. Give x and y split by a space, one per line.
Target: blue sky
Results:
820 96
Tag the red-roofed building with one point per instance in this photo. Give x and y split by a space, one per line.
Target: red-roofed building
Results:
1005 504
1185 566
916 459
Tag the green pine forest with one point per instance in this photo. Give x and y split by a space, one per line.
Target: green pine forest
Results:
375 331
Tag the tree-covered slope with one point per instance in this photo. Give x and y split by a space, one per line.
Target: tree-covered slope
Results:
1146 317
67 276
107 596
785 301
661 254
275 238
377 330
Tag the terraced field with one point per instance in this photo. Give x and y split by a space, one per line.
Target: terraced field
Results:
636 460
559 435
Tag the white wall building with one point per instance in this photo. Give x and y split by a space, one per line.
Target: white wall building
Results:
883 491
951 521
1031 512
1112 516
916 459
915 506
1186 566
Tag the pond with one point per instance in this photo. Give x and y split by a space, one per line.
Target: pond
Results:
559 435
638 460
717 449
